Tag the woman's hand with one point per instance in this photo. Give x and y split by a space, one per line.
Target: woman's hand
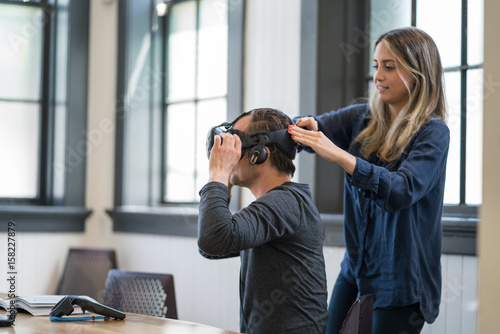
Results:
323 146
308 123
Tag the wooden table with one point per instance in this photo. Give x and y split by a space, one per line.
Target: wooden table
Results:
133 323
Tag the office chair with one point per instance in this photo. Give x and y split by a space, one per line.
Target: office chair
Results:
359 318
86 271
142 293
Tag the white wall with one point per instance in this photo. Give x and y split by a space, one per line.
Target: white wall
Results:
489 229
207 291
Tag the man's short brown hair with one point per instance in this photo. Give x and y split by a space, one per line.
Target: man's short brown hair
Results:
268 119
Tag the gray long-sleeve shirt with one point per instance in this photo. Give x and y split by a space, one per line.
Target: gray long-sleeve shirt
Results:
280 240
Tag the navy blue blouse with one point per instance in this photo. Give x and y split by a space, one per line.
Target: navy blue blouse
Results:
392 214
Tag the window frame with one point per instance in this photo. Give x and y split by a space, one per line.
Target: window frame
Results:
145 205
325 65
195 100
44 151
461 209
53 212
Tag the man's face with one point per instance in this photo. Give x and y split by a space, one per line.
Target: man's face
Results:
243 174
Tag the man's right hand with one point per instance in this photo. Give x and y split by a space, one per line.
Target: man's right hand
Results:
224 157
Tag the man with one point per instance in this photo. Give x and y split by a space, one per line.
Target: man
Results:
279 236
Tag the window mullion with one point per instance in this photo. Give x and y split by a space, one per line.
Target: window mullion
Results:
46 108
164 108
413 13
463 105
196 101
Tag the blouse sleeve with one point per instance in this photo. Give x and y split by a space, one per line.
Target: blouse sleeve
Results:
340 126
423 167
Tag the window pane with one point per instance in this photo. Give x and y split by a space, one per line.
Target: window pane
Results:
182 51
474 138
210 113
180 177
19 133
212 50
62 50
59 165
447 36
371 88
21 28
386 15
452 187
475 32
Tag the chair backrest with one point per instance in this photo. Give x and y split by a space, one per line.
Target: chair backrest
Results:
86 271
359 318
142 293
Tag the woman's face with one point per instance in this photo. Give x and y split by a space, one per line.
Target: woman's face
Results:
388 78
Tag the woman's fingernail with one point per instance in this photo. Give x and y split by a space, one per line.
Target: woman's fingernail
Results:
293 137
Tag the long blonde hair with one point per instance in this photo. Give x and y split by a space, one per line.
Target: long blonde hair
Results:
415 51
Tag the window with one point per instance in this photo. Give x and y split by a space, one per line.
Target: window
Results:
196 93
460 42
21 100
179 73
335 72
42 144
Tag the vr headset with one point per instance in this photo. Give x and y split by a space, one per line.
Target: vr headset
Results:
255 142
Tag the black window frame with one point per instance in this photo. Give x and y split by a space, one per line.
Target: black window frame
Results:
167 103
138 201
50 212
334 63
462 209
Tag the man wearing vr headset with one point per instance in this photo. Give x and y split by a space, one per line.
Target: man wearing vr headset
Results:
279 236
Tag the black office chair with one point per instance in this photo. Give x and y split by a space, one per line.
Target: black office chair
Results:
86 271
359 318
142 293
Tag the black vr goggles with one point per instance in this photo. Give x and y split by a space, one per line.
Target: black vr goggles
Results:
255 142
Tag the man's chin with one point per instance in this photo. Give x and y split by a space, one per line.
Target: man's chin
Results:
236 181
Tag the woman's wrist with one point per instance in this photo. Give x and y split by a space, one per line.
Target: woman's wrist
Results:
346 161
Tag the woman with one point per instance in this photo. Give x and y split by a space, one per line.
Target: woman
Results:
394 152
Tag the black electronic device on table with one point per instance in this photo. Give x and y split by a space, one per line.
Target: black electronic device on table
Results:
65 307
9 320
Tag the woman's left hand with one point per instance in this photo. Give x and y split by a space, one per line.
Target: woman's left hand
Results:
323 146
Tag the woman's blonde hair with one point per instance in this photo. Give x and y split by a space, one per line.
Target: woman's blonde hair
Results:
415 51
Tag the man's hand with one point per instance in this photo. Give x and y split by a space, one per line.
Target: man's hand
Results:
224 157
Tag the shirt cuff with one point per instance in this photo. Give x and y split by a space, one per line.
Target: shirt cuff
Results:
217 188
363 177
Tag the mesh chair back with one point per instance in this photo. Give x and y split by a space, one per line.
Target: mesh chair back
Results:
86 271
142 293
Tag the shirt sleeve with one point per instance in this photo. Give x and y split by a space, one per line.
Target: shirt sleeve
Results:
339 125
414 178
268 218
